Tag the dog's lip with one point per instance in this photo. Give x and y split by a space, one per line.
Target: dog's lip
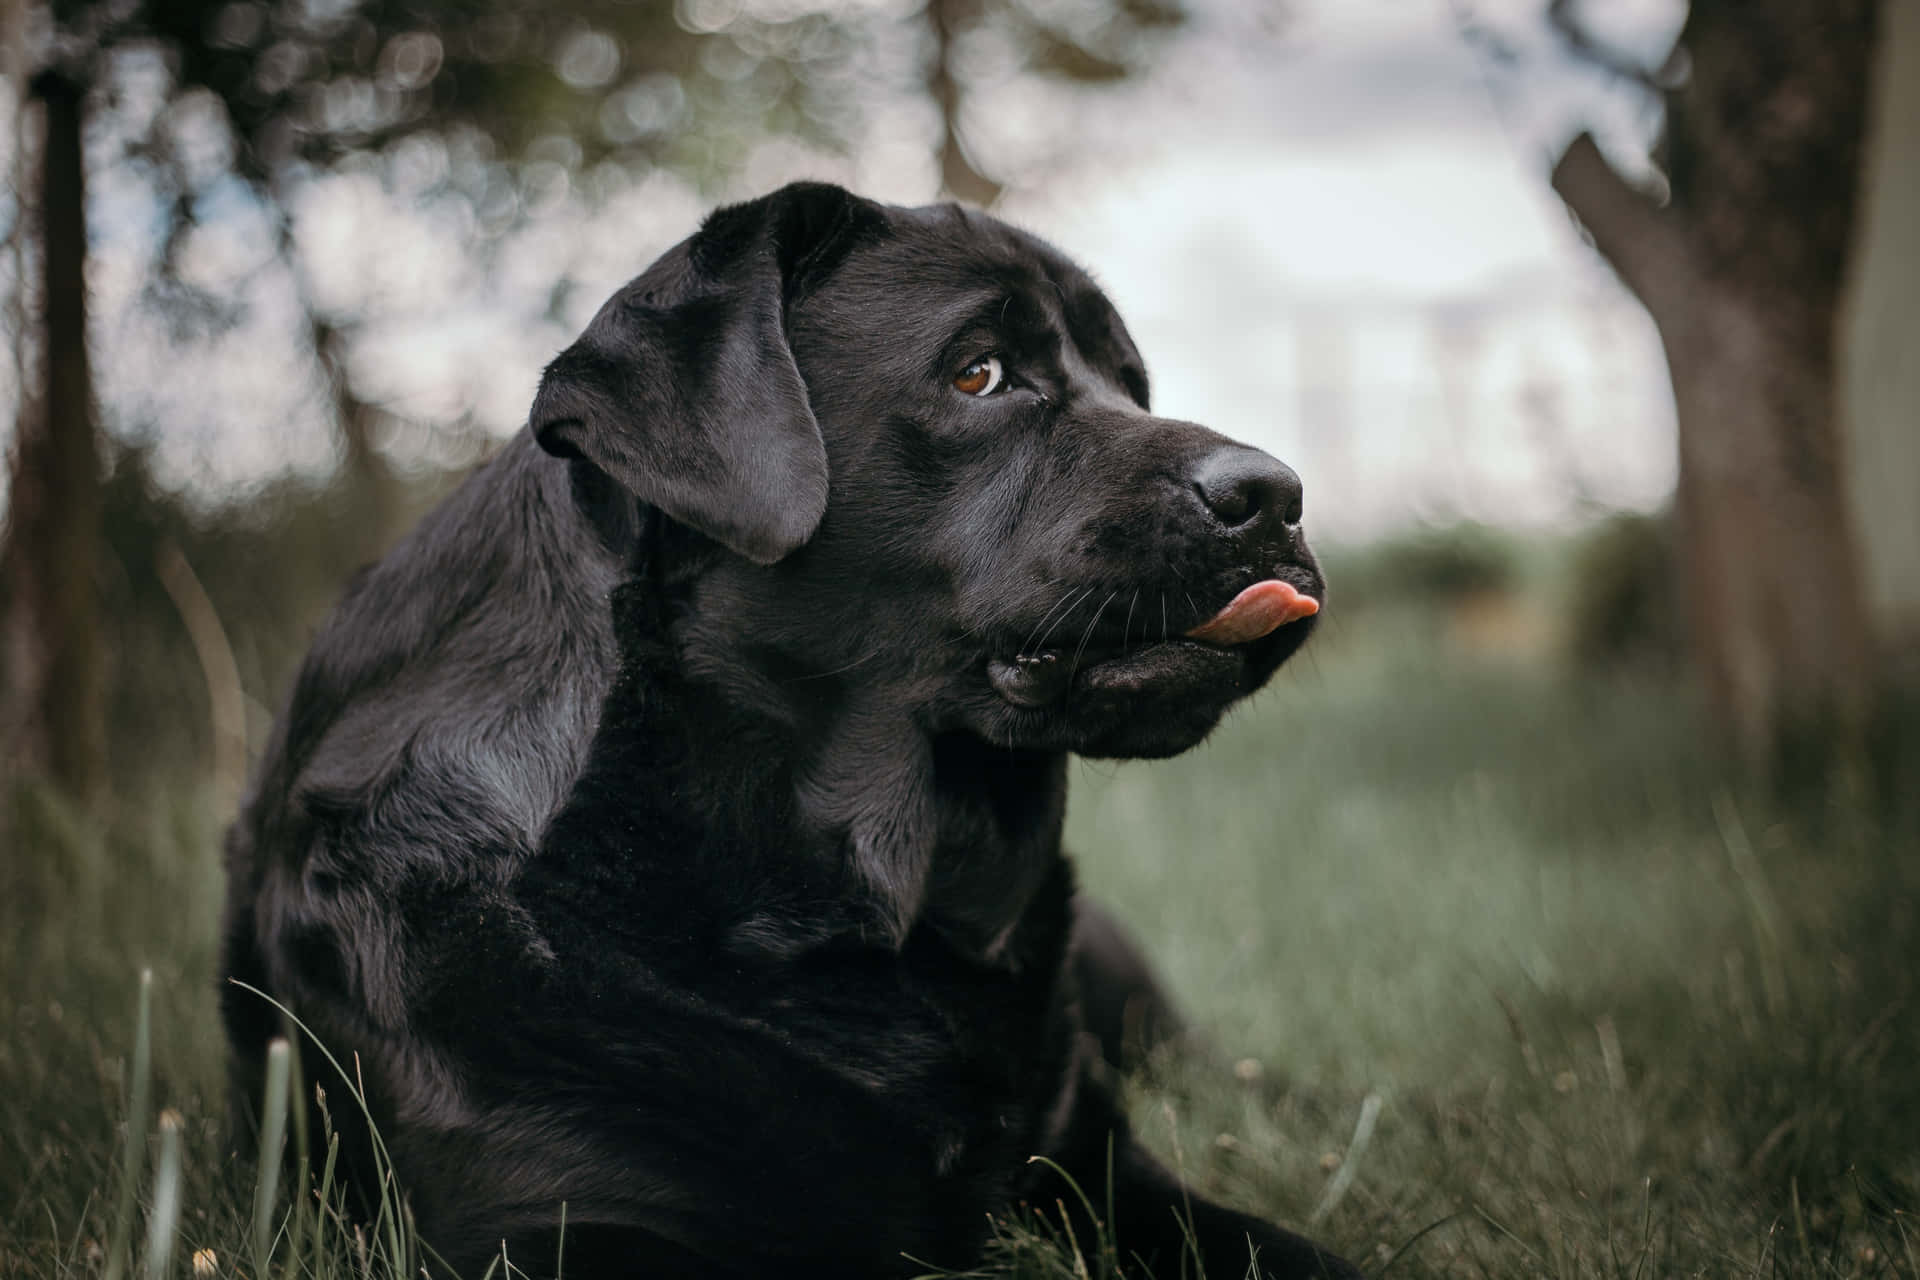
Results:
1257 611
1039 678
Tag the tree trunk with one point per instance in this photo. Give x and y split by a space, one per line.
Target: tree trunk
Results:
55 685
1880 376
1742 272
1770 565
958 177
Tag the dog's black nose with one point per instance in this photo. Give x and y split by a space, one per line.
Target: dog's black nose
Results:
1241 485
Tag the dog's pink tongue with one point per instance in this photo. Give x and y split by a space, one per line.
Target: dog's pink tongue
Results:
1261 608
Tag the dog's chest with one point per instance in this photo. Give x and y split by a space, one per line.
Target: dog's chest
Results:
962 1058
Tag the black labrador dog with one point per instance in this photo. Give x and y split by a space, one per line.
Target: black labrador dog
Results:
670 825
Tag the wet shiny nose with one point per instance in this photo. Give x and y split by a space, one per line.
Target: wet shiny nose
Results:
1242 486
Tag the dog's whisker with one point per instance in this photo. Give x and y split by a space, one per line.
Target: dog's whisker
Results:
822 675
1126 627
1063 617
1027 644
1027 647
1088 633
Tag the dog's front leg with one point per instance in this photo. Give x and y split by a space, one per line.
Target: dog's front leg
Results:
1157 1220
1122 1002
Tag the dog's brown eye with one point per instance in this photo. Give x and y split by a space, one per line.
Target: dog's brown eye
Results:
981 378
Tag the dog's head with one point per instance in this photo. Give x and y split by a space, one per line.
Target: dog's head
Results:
917 448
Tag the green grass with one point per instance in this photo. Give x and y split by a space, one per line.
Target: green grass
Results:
1621 1019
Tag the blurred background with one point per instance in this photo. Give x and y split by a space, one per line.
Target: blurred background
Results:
1582 840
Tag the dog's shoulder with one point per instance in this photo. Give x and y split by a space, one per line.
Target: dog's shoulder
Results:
448 700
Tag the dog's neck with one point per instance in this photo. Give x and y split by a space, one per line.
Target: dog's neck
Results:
943 830
997 839
819 792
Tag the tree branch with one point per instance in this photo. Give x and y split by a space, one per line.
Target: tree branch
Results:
1642 243
1561 17
958 177
226 699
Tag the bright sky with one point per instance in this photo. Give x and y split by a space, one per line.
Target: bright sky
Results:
1331 236
1346 252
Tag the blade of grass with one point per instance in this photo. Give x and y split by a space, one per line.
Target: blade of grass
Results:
380 1155
322 1208
1762 909
1100 1230
387 1219
1184 1214
1504 1230
303 1217
79 1230
1073 1241
273 1136
1406 1246
1112 1222
1799 1221
163 1220
133 1151
1343 1178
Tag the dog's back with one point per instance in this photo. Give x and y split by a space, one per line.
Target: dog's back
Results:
435 726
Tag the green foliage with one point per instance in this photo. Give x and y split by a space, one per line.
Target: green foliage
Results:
304 86
1437 563
1623 607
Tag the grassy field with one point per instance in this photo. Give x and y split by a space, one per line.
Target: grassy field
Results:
1619 1018
1498 974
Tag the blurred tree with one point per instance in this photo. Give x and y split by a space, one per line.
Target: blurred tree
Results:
303 88
1094 42
958 176
52 704
1742 266
1881 382
300 87
532 92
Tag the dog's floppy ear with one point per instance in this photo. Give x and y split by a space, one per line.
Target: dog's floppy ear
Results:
683 388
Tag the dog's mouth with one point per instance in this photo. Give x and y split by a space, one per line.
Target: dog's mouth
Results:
1043 677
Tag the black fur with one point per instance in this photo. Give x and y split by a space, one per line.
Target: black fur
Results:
776 970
